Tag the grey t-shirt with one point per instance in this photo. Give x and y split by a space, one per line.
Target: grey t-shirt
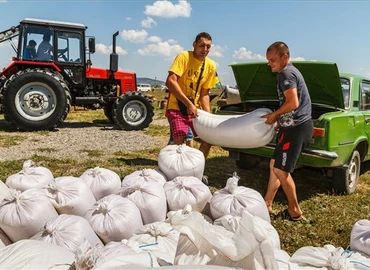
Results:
288 78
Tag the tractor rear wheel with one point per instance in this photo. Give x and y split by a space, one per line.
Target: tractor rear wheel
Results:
133 111
36 99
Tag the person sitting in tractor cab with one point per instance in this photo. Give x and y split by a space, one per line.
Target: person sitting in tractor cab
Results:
45 49
29 53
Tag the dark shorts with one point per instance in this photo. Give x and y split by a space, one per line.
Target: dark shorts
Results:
290 144
179 124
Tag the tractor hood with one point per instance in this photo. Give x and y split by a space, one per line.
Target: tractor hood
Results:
256 81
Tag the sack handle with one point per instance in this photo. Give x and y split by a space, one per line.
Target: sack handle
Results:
199 78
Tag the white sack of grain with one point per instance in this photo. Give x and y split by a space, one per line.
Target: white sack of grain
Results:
31 176
233 199
328 257
68 231
158 238
231 223
4 190
23 214
4 239
114 255
235 131
203 243
360 236
149 197
183 190
282 259
114 218
102 182
181 160
146 175
70 195
33 254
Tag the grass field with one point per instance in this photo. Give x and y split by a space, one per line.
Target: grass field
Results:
330 217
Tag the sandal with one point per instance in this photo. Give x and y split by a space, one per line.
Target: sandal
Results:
285 215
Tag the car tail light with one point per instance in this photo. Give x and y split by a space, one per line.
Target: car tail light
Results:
318 132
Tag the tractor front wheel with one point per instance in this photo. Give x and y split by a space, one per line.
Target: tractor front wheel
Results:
133 111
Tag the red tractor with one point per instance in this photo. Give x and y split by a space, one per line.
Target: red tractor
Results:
52 72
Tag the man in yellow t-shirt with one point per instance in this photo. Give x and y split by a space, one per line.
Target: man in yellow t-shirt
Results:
182 82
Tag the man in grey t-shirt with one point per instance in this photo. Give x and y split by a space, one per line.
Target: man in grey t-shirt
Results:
295 127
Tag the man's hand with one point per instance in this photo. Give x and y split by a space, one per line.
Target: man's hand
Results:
270 118
193 111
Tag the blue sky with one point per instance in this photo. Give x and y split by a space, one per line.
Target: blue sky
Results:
153 32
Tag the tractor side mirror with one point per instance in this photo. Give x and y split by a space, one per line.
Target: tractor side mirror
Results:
92 45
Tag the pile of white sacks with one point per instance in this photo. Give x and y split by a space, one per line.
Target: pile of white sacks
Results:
164 217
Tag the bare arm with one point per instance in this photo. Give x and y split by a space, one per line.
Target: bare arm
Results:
174 88
291 103
204 100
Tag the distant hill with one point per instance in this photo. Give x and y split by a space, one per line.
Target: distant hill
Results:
150 81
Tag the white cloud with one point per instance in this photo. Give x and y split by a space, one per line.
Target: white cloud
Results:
244 54
104 49
154 39
298 59
161 48
167 9
364 72
128 18
148 22
216 51
134 36
172 41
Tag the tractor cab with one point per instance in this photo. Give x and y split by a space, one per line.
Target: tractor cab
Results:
56 42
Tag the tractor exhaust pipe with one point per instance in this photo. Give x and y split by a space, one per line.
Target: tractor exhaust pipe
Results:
114 56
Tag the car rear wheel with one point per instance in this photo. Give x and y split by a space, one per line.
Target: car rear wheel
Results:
345 179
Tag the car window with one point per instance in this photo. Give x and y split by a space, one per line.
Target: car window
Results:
365 95
345 88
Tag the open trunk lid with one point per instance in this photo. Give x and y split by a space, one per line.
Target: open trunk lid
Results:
256 81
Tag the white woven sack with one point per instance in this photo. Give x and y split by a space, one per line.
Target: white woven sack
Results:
68 231
102 182
185 190
4 239
181 160
89 257
236 131
114 218
233 199
360 236
203 243
231 223
146 175
149 197
282 259
23 214
4 191
33 254
328 257
158 238
70 195
31 176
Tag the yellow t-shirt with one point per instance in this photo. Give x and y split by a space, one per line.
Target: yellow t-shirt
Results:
188 69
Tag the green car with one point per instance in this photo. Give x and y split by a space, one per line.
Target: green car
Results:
340 110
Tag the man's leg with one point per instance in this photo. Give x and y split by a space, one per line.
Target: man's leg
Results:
288 186
272 187
204 148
